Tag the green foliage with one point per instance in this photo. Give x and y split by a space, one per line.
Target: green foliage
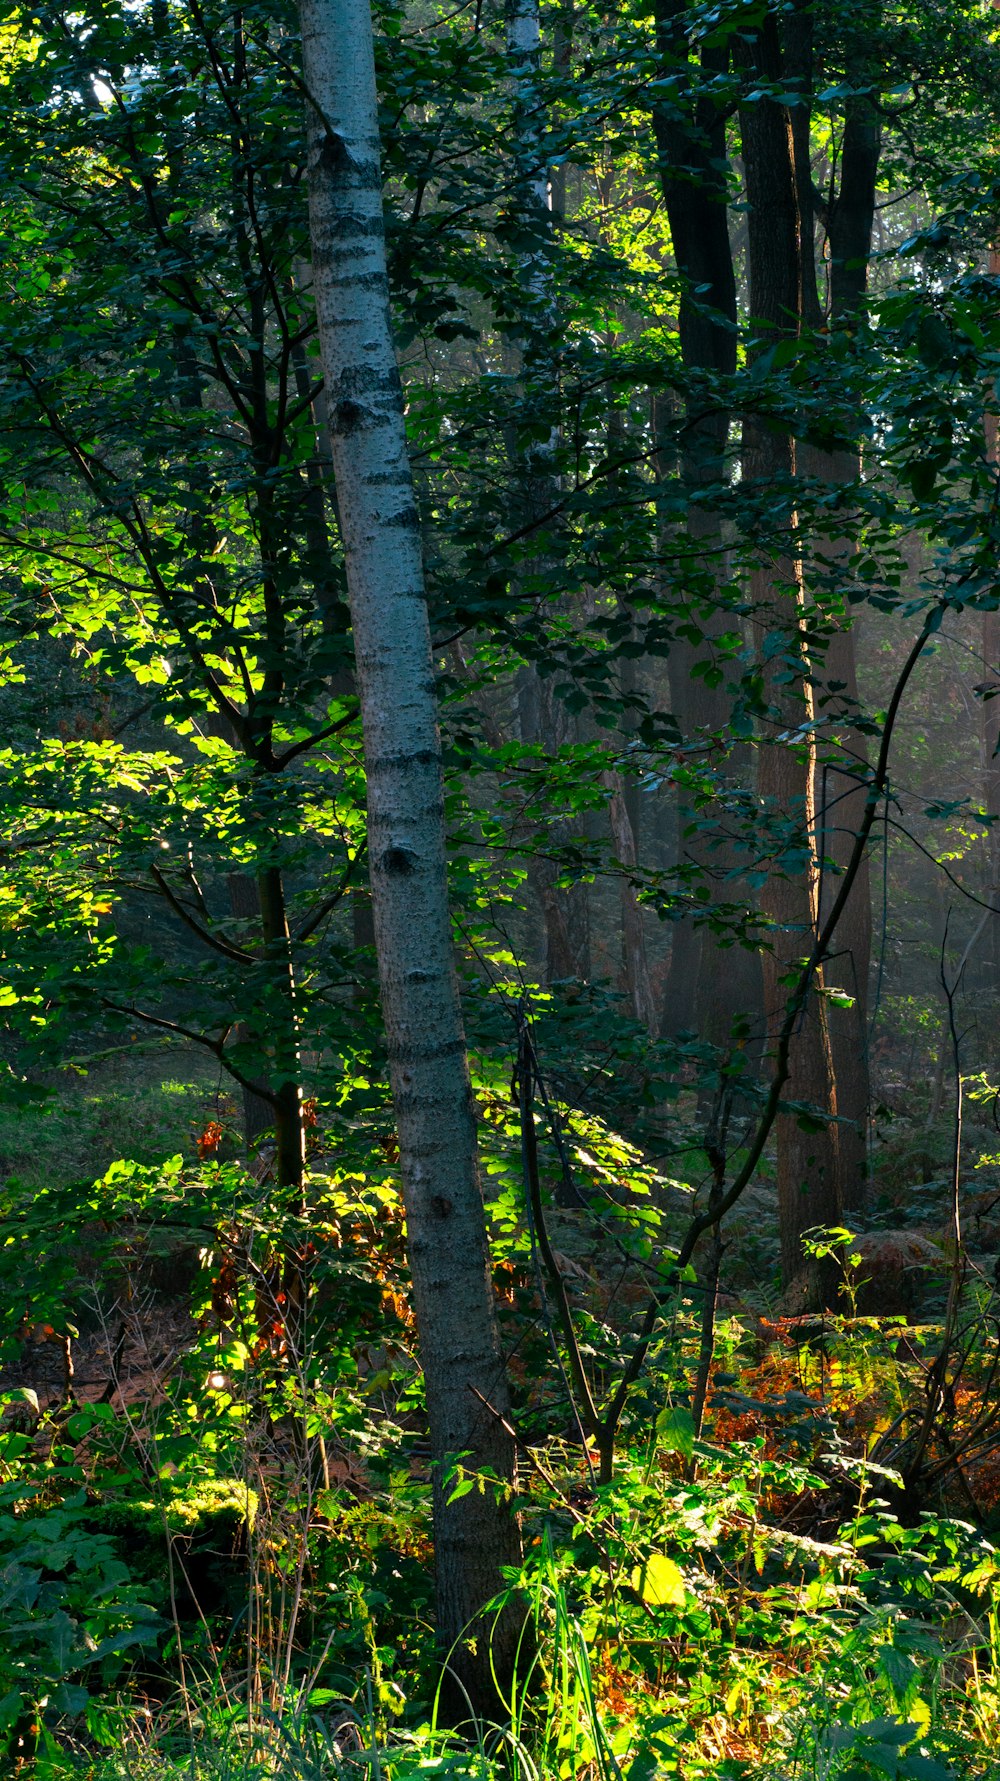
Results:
747 1588
779 1578
72 1617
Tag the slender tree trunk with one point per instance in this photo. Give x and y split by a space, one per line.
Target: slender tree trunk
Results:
284 1063
476 1535
637 984
808 1160
708 986
849 968
333 612
562 53
247 900
809 1185
543 720
625 803
990 721
991 775
849 222
244 904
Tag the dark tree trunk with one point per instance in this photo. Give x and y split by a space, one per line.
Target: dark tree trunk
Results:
809 1184
561 913
797 66
990 726
852 213
564 911
708 987
634 963
849 223
849 968
284 1060
991 782
258 1113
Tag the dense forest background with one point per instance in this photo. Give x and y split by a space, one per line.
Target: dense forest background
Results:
500 895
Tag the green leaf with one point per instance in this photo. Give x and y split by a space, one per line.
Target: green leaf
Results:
921 473
22 1395
69 1697
924 1768
899 1670
124 1640
935 344
10 1707
675 1428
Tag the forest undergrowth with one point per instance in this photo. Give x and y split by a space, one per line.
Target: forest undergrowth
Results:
215 1553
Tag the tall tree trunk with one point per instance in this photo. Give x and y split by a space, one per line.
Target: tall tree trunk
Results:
708 987
809 1185
543 720
476 1535
849 969
991 782
282 1113
283 1060
849 222
244 904
637 984
625 803
990 728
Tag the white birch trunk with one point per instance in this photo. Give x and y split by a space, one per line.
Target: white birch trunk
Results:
532 182
447 1239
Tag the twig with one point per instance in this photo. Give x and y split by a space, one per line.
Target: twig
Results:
939 1391
236 953
530 1455
582 1401
706 1348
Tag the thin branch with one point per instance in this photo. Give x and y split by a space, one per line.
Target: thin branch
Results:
718 1207
585 1412
963 890
236 953
297 748
216 1046
329 903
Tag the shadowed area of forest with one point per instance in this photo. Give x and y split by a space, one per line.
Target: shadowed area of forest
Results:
500 891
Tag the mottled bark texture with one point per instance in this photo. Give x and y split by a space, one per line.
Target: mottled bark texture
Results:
809 1185
447 1240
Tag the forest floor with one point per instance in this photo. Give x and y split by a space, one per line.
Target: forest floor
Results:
805 1588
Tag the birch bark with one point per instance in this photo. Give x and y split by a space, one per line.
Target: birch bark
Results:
435 1116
